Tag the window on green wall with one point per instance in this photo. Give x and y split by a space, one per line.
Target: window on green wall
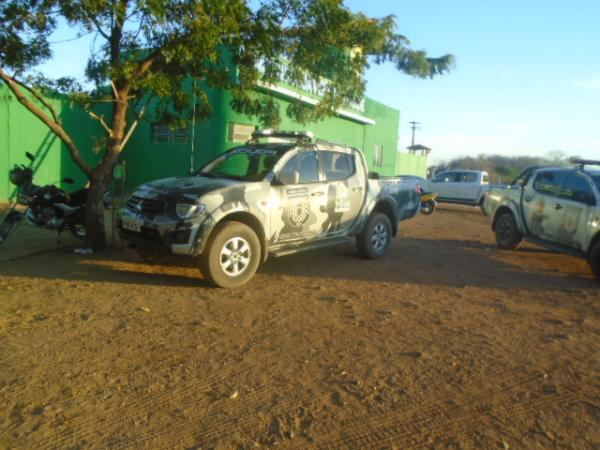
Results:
239 132
164 135
378 156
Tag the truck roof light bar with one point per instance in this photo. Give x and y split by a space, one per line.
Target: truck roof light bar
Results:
304 137
581 163
330 143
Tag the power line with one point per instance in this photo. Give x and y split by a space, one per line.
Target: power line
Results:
414 126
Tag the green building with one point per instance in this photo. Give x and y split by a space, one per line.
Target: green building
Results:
156 152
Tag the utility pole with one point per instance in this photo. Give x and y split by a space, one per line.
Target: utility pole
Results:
414 126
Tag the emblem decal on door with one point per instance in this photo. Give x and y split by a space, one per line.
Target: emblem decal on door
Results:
299 206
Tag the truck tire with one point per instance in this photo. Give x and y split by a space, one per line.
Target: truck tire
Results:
508 236
595 261
374 240
232 255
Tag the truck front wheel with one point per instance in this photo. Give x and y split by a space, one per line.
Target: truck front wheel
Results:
232 255
508 236
595 261
375 239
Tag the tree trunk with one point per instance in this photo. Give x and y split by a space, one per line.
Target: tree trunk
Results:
94 208
102 175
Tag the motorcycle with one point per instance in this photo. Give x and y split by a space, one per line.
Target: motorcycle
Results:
428 200
44 206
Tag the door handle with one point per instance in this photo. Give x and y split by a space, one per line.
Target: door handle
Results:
527 198
317 194
355 189
558 206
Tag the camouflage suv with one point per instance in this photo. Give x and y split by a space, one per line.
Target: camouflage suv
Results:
267 198
556 207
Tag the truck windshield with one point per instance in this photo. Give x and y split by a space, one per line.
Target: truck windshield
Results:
247 164
596 178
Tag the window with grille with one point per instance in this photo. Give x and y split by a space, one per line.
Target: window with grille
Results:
239 132
162 134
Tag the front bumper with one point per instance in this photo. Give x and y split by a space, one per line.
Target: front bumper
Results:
161 235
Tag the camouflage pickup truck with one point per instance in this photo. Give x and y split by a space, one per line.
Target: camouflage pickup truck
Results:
557 207
280 193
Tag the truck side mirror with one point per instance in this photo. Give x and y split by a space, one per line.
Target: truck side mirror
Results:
289 177
30 157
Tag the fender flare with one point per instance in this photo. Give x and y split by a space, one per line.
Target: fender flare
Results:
508 206
226 213
385 205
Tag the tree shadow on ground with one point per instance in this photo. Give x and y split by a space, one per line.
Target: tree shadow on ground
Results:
454 263
108 267
450 263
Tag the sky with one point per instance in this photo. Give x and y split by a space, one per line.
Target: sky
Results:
526 80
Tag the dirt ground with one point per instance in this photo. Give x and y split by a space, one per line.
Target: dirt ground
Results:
446 343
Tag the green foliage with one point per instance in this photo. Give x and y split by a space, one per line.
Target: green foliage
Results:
152 47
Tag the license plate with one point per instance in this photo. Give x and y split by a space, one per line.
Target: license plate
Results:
132 224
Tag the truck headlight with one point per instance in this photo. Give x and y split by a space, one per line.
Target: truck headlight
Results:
188 210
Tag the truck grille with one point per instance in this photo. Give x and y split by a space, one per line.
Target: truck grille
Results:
146 205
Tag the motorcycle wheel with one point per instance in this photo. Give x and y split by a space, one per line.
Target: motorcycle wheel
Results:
9 225
429 207
78 231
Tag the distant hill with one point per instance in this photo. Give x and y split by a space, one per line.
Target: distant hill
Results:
502 169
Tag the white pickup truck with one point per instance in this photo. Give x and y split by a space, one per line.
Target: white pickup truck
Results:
461 186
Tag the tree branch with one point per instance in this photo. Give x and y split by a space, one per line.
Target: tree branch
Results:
135 123
102 122
145 65
114 88
41 99
103 33
54 126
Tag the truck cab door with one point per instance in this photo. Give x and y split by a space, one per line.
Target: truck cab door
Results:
346 190
574 209
445 185
539 199
467 186
297 197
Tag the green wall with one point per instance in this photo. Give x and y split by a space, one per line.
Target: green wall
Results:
145 160
412 164
20 131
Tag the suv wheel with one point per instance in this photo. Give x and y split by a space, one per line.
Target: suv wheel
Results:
375 239
508 236
232 255
595 261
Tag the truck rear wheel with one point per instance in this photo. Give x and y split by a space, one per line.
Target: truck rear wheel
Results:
232 255
508 236
375 239
595 261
